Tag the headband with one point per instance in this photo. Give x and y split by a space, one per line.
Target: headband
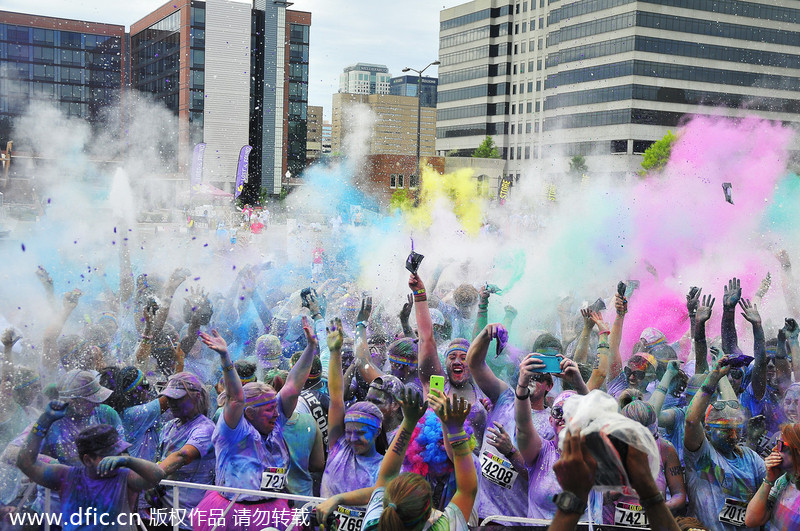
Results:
26 384
363 418
401 360
457 348
724 423
314 377
136 382
654 343
248 380
253 401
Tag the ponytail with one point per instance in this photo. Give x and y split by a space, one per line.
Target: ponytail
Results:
406 503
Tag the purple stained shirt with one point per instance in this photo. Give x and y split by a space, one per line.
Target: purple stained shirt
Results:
107 496
243 453
786 499
346 471
197 432
543 485
493 499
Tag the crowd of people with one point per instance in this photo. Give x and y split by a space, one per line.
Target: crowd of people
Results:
433 422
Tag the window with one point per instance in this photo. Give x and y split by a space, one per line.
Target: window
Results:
400 181
522 68
512 129
640 146
527 127
514 70
524 27
393 181
527 152
513 108
619 146
529 107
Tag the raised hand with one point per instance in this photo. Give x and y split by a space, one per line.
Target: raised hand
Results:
452 412
71 299
733 293
588 322
673 368
774 461
766 282
366 310
45 278
566 304
335 335
413 406
415 283
792 329
405 312
178 276
9 337
575 468
750 312
511 312
308 330
500 439
214 341
620 304
693 299
783 259
602 326
529 366
55 410
703 313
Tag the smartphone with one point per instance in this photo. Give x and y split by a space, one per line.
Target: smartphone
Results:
413 261
597 306
552 364
791 324
304 294
437 382
621 289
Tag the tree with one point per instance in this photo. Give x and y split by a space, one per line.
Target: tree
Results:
577 165
401 199
657 155
487 150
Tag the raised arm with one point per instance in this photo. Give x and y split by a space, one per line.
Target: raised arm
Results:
413 410
695 433
661 390
603 360
50 352
787 283
428 357
198 306
175 280
126 282
792 333
405 313
491 385
692 302
582 349
759 377
50 476
733 292
452 413
528 440
759 509
298 375
335 385
615 339
483 311
703 314
234 394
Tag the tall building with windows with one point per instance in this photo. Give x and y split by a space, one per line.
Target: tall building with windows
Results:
410 85
75 64
364 78
234 74
605 78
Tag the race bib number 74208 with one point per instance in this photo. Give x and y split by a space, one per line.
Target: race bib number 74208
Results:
498 470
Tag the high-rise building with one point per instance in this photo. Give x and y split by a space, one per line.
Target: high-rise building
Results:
75 64
605 78
326 137
409 85
235 74
394 130
364 78
314 134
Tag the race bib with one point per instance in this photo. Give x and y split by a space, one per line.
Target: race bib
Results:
350 518
765 445
630 515
273 479
498 470
733 512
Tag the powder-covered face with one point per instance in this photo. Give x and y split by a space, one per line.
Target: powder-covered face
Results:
402 371
80 407
791 403
456 367
361 437
725 428
263 417
382 399
182 408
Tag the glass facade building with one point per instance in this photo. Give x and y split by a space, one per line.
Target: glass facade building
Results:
76 65
604 78
408 86
298 94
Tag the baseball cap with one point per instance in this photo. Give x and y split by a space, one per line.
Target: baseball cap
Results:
83 384
181 383
102 440
389 384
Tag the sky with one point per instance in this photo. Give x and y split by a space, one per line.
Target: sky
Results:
343 32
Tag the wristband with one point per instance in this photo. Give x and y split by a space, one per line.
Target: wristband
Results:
461 448
604 332
227 368
146 338
483 306
603 345
512 452
38 430
420 298
651 501
418 292
768 482
662 389
524 397
361 323
457 437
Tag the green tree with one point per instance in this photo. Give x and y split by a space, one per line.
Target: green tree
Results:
577 165
487 150
402 200
657 155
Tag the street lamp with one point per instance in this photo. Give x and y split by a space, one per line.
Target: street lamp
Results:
419 109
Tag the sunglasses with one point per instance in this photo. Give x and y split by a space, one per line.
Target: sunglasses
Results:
540 377
639 374
783 447
719 405
557 412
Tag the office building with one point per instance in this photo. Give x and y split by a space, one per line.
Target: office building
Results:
605 78
409 85
76 65
364 78
314 134
326 137
235 74
394 130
